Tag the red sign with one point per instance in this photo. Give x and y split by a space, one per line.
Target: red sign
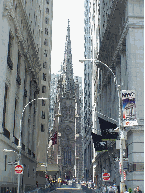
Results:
120 167
124 174
18 169
46 176
106 176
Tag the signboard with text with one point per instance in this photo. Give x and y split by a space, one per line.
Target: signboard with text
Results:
128 107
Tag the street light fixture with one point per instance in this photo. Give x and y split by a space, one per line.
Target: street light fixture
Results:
122 185
19 146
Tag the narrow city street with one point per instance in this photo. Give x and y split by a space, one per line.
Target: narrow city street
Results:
70 189
71 96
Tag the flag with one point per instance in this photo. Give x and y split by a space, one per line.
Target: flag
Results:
99 145
54 138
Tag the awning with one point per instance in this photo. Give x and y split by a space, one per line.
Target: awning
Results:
53 167
50 167
98 143
105 126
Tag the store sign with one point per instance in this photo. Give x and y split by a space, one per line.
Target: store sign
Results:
129 107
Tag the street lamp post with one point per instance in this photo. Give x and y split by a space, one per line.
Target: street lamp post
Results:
19 146
122 185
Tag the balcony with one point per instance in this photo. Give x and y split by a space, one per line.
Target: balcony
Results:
9 62
18 79
6 133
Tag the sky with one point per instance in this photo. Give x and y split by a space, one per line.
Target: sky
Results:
62 11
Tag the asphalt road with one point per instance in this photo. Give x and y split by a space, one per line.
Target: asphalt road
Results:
70 189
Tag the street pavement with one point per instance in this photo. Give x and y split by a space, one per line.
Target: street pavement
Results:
66 189
70 189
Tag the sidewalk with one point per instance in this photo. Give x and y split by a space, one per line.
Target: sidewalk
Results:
88 190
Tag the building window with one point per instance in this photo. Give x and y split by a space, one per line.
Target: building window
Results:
42 114
44 76
5 162
46 31
45 65
47 11
5 106
45 53
47 1
28 171
43 89
42 127
46 20
46 42
43 102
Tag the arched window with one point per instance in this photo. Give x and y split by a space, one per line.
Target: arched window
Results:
43 89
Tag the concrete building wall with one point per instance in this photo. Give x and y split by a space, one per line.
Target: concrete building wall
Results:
121 48
87 90
20 68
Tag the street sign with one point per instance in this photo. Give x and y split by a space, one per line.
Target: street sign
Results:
124 174
120 167
106 176
12 163
18 169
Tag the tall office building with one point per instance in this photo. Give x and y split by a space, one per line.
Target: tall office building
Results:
44 84
22 38
88 146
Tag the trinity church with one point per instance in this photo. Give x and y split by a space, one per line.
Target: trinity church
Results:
67 119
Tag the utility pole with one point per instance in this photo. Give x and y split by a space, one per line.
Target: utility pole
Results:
122 184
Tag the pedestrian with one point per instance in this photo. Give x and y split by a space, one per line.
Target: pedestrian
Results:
7 191
126 191
104 189
115 188
111 190
137 190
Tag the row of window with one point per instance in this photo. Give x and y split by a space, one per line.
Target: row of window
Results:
45 66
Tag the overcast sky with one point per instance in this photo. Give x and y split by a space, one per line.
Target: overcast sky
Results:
62 11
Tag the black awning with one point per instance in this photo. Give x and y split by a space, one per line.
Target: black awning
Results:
105 126
98 143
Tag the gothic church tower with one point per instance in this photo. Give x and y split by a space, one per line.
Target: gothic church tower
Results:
66 125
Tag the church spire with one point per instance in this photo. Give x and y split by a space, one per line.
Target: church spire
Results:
68 66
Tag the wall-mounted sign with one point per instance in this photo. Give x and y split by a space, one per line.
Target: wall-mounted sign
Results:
128 107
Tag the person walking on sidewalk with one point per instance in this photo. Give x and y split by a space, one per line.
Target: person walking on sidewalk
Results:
111 190
137 190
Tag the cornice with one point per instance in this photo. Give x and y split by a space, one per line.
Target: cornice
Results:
9 13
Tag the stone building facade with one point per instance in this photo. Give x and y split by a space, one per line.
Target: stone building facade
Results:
21 64
119 36
88 72
67 120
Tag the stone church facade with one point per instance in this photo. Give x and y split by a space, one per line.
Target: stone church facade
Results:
66 119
